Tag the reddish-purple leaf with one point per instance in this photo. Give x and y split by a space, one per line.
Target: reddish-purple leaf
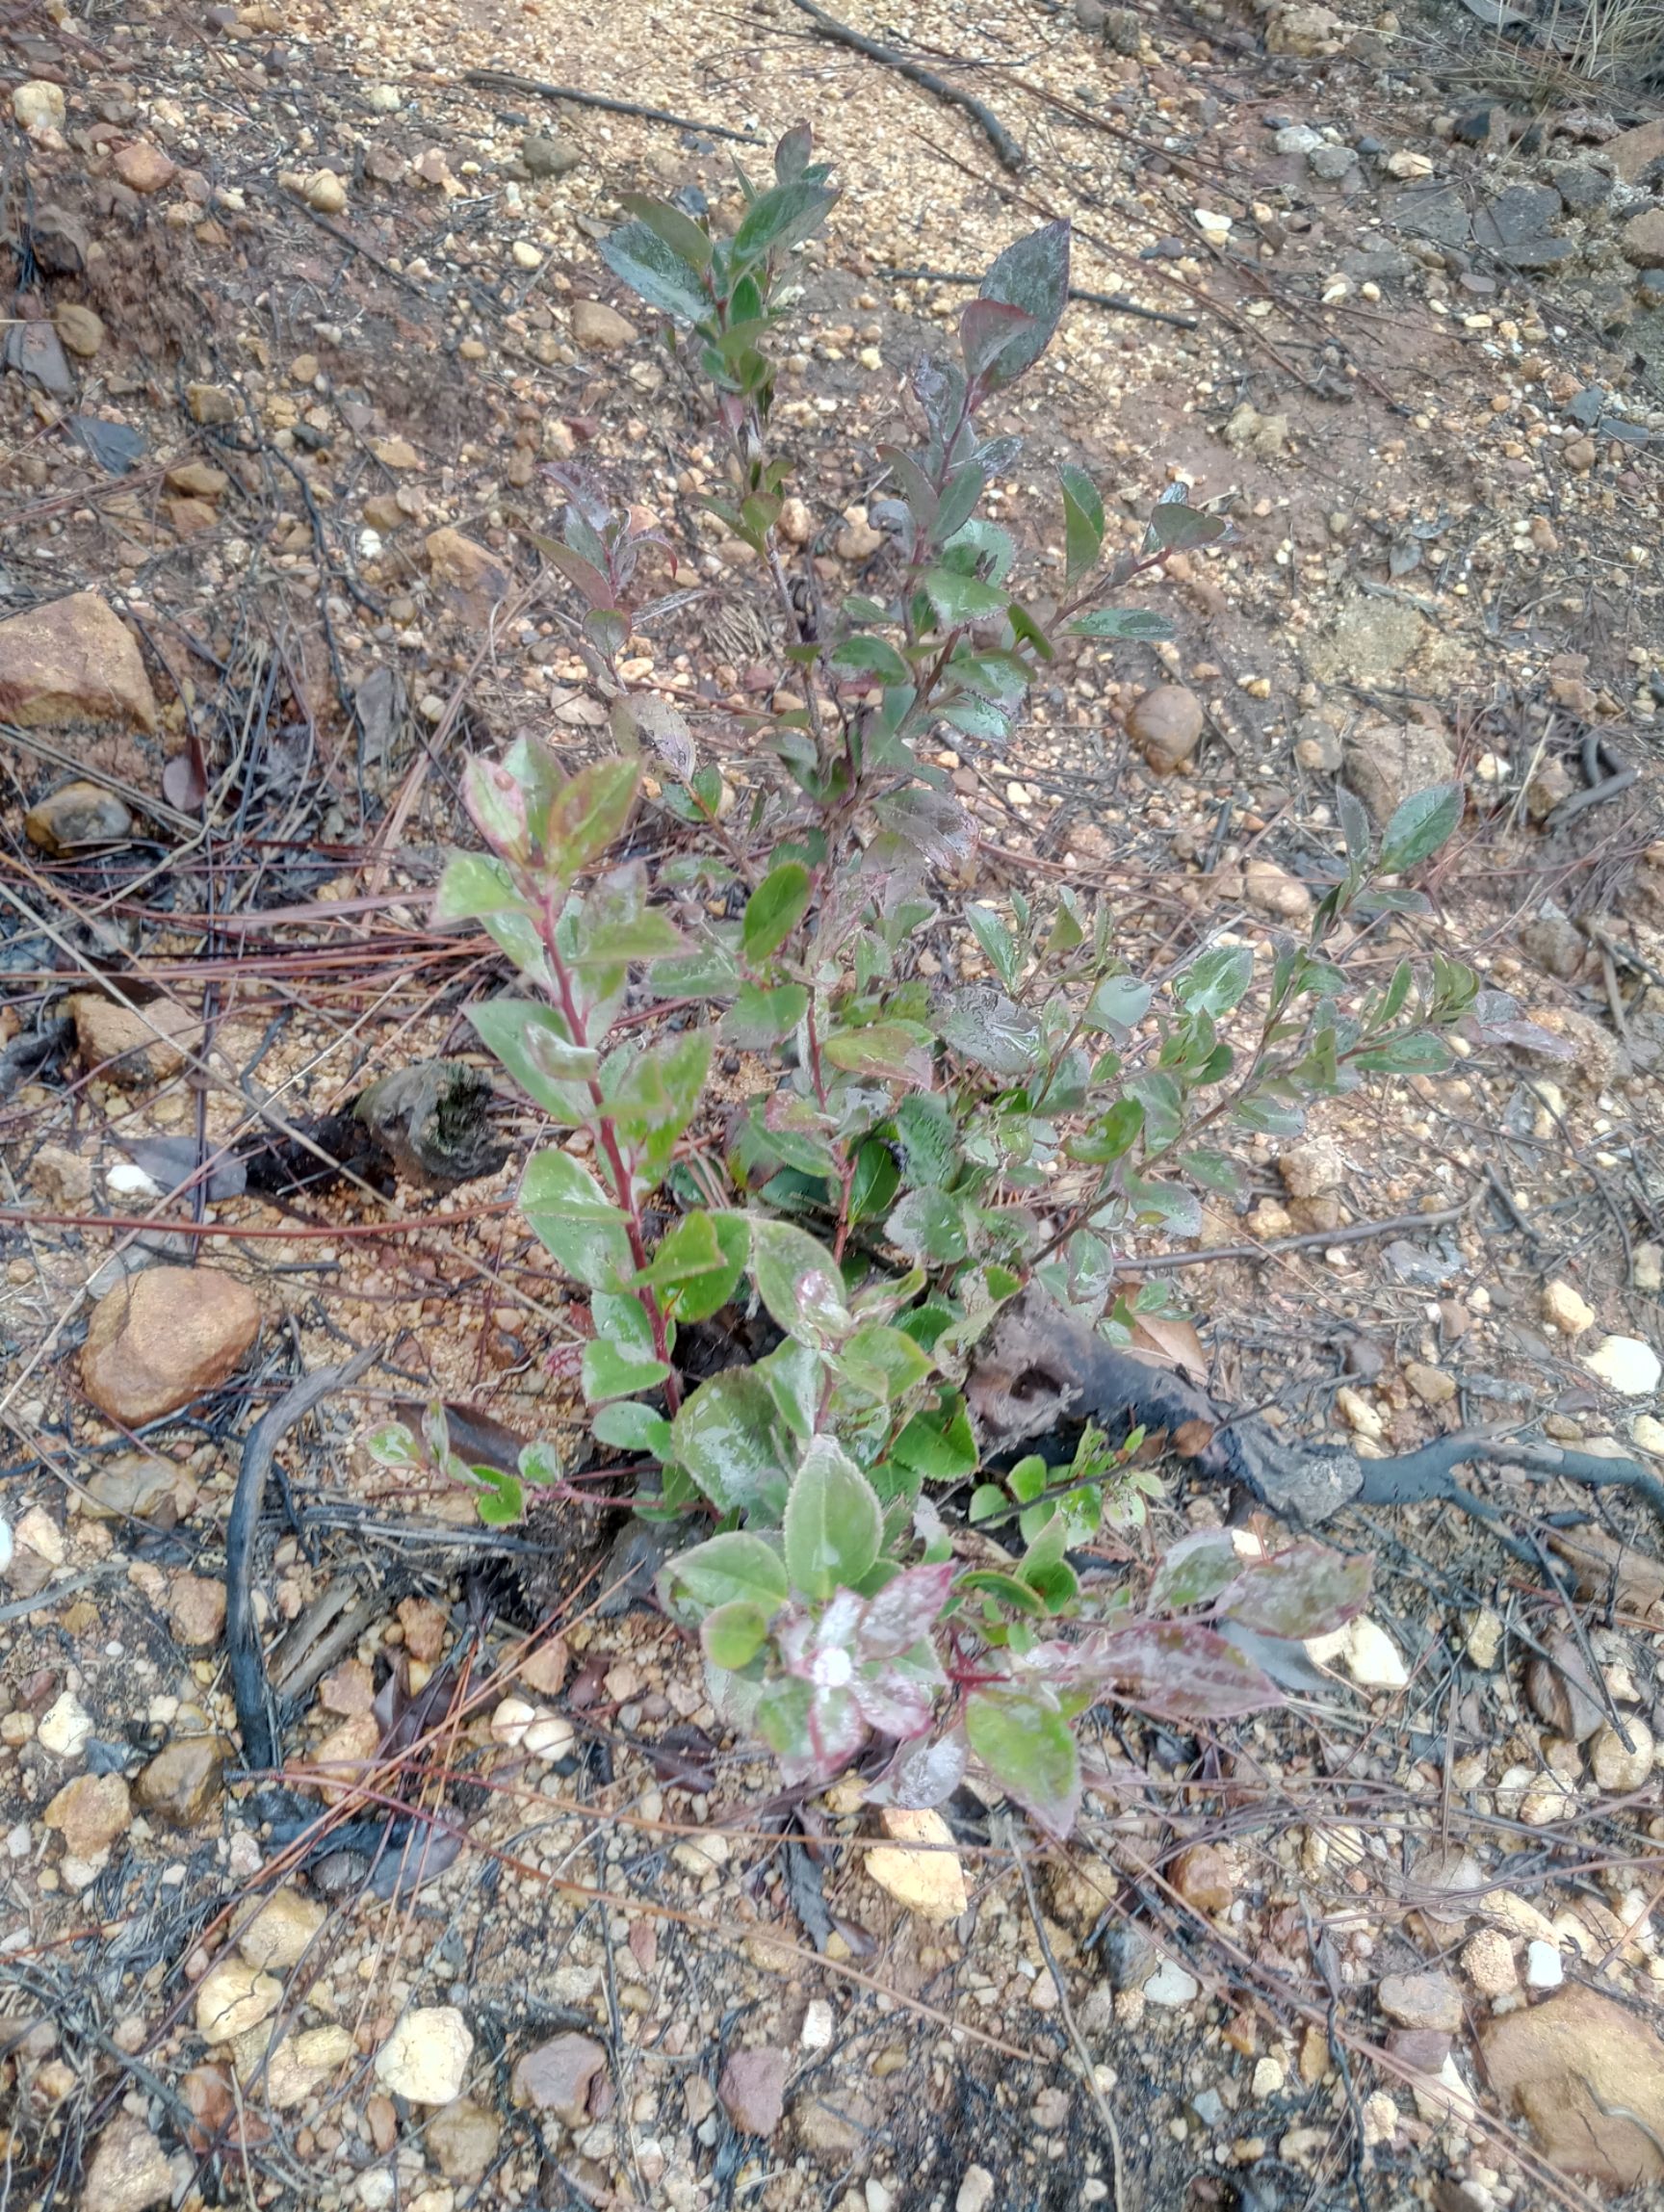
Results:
906 1610
835 1730
986 327
1180 1672
1306 1591
895 1700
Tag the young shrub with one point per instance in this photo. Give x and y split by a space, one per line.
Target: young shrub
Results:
909 1159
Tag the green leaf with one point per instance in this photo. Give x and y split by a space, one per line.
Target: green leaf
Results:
648 935
631 1427
1024 1743
731 1635
1417 1054
990 1031
883 1362
724 1436
475 884
502 1499
929 1139
1082 522
998 944
394 1445
959 497
557 1183
894 1052
1032 275
589 812
1193 1571
588 1238
959 599
1008 1589
531 1043
1136 623
759 1018
939 1442
699 1262
674 230
539 1463
1424 821
930 1225
794 1374
1218 981
798 1281
834 1522
1177 527
653 270
779 218
987 542
735 1569
651 1094
876 1181
869 656
986 1499
1119 1002
774 910
613 1372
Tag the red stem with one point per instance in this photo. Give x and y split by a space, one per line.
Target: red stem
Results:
623 1183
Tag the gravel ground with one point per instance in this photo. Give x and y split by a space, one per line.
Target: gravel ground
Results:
303 324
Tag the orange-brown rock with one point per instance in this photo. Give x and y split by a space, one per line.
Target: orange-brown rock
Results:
70 661
161 1338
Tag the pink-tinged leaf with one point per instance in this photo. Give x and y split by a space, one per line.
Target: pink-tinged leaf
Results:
906 1610
921 1775
1024 1743
1306 1591
1193 1571
1180 1672
835 1730
986 327
589 579
898 1699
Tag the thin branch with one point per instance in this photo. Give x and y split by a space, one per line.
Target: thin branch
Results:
505 80
1006 151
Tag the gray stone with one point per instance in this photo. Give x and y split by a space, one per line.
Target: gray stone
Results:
1483 125
1394 761
545 156
1555 945
1538 252
1377 264
1582 186
1522 213
75 815
1317 746
1333 164
1432 210
1643 239
1297 138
